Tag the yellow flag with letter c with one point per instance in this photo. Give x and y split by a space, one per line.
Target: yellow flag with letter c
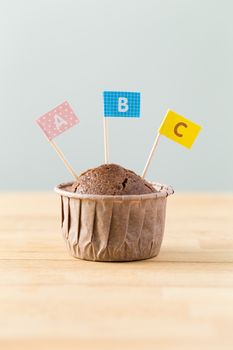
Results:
179 129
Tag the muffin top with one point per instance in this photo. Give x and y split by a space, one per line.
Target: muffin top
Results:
111 179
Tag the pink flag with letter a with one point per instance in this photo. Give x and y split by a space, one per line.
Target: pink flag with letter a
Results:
57 120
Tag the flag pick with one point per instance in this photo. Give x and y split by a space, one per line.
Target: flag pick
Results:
176 128
55 122
119 104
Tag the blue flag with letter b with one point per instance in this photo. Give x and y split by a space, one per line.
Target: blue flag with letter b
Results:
121 104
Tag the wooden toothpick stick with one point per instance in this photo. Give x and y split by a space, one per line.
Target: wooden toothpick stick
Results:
151 155
106 145
61 155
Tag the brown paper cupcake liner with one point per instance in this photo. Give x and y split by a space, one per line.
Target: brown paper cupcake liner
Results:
113 228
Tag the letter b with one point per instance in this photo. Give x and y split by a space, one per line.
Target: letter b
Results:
123 104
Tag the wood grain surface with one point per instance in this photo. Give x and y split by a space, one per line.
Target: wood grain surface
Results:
183 299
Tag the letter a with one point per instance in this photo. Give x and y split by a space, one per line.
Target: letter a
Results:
59 121
123 104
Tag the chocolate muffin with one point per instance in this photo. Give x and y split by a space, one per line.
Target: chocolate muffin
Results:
111 179
112 214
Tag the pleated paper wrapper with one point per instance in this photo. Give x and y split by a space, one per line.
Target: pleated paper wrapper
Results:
113 228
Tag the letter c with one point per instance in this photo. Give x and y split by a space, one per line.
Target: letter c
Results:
176 131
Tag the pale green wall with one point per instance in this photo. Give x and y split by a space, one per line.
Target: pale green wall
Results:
179 54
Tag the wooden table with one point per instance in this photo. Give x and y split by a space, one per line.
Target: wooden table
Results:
183 299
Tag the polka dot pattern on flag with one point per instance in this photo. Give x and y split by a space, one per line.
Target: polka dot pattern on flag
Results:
57 120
